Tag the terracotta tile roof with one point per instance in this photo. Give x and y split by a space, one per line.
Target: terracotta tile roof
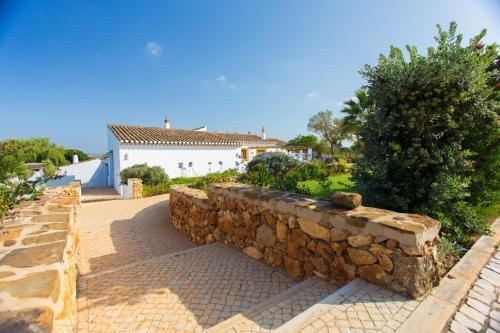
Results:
163 136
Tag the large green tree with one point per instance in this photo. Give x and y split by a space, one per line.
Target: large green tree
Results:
433 118
330 128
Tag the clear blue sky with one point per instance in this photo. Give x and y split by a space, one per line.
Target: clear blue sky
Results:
68 68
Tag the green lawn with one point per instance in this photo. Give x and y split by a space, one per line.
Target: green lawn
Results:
340 182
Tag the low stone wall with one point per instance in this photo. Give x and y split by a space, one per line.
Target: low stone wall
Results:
189 213
309 237
38 264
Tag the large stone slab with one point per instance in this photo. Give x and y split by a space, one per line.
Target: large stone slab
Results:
33 256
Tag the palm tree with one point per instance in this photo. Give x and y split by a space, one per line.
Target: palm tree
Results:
356 110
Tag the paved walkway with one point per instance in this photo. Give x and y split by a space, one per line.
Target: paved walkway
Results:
139 274
120 232
92 194
481 311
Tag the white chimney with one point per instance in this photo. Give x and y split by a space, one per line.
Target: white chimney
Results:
75 158
264 133
167 122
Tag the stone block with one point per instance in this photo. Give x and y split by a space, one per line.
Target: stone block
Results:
360 240
361 257
346 199
294 267
265 235
313 229
253 252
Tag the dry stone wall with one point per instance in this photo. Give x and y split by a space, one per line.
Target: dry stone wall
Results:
309 237
38 264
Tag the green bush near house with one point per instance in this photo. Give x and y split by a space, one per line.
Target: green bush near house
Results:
149 175
195 182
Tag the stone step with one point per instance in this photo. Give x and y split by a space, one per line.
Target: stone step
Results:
358 306
273 313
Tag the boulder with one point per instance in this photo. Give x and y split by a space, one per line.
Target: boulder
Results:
374 274
281 231
361 257
385 262
297 237
265 235
337 235
360 240
253 252
313 229
346 199
294 267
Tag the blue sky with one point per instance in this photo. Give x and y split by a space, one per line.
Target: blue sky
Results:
68 68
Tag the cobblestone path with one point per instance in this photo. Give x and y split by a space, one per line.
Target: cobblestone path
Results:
481 311
119 232
143 276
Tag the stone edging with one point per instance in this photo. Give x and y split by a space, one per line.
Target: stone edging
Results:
437 310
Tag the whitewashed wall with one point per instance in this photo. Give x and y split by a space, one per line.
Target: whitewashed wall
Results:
91 173
114 162
169 157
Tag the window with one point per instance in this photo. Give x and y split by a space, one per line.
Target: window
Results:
260 151
244 154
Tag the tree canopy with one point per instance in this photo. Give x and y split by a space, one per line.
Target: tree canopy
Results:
330 128
431 139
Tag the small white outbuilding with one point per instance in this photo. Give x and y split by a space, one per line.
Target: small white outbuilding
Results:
180 152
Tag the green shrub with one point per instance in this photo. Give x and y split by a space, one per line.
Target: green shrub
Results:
276 163
68 154
150 190
149 175
218 177
430 118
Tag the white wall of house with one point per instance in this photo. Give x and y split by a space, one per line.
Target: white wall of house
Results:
114 161
196 160
91 173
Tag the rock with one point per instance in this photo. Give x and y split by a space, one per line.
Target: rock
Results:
339 247
38 319
320 264
293 250
34 285
9 242
253 252
361 257
346 199
337 235
293 267
297 237
246 217
320 275
392 244
380 249
47 238
265 235
417 275
281 231
385 262
411 251
360 240
292 222
34 256
374 274
313 229
324 250
273 257
60 218
342 270
379 239
311 246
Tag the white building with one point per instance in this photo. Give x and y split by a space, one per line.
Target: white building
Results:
182 153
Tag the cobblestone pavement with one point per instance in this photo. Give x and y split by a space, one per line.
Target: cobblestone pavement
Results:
185 292
278 314
481 310
369 309
119 232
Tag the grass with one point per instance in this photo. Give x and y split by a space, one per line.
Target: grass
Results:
489 213
341 182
